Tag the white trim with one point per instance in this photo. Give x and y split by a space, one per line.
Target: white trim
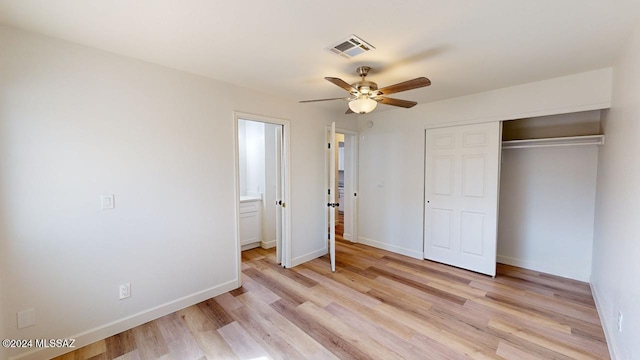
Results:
347 236
308 257
118 326
393 248
268 244
236 189
542 267
608 330
554 142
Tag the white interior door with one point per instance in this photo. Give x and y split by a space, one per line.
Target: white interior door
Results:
331 196
279 187
461 195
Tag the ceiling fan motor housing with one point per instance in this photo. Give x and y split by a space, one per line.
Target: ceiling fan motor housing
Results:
365 87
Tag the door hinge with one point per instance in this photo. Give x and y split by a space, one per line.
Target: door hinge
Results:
329 236
329 192
355 194
329 146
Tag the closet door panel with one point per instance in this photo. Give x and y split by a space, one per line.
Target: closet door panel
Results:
461 195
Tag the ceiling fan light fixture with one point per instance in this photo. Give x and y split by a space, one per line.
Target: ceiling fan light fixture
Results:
362 105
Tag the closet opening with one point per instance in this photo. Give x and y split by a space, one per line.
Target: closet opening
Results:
547 193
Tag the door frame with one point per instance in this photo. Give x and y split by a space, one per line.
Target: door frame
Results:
356 184
286 185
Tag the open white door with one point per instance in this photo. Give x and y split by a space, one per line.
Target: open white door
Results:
279 186
461 196
331 195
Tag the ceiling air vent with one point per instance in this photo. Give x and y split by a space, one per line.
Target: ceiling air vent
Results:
350 47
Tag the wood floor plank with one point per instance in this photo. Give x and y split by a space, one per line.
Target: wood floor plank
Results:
271 319
269 336
203 328
228 301
215 313
552 345
254 287
133 355
275 286
417 284
342 289
120 344
445 276
334 343
376 305
511 352
243 345
462 290
349 334
149 341
293 275
386 338
179 340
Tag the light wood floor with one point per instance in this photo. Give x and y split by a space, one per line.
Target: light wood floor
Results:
378 305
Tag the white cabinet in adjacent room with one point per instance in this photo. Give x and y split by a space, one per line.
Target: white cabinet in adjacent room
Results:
250 222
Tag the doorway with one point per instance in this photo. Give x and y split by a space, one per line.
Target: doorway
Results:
262 191
342 179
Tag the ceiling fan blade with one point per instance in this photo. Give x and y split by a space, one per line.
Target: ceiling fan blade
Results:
343 84
404 86
349 111
340 98
396 102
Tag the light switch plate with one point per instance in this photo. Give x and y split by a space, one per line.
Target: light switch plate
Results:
26 318
108 202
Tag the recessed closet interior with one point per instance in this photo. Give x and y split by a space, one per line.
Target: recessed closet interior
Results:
548 193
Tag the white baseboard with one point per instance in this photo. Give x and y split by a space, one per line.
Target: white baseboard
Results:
268 244
393 248
118 326
545 268
346 236
607 326
250 246
307 257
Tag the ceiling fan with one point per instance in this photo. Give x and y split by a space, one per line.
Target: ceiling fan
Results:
364 95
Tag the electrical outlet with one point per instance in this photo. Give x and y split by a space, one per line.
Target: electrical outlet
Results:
619 321
26 318
125 291
108 201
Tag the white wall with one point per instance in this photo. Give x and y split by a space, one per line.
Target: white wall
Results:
392 150
616 250
3 351
255 150
76 123
242 156
547 201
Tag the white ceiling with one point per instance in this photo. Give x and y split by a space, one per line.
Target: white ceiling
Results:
278 46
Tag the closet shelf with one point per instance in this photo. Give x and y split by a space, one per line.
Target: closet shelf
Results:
551 142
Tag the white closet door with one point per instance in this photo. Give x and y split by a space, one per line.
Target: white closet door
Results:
461 196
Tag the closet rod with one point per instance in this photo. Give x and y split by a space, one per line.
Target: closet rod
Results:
554 142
